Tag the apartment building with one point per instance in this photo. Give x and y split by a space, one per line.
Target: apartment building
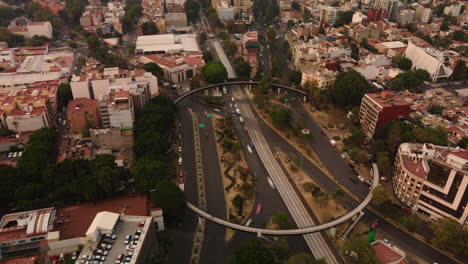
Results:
242 7
116 110
225 10
177 68
423 14
28 119
83 113
328 14
93 84
323 77
453 10
432 180
405 17
379 108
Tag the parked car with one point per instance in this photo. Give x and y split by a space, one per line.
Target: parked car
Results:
406 211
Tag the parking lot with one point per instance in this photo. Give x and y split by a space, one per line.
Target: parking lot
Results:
118 246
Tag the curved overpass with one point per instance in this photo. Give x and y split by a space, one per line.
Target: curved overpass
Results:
298 231
287 232
182 97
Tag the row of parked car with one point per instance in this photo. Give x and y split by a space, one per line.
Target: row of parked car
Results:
102 250
131 242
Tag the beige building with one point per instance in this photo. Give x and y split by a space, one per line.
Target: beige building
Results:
432 180
242 7
323 77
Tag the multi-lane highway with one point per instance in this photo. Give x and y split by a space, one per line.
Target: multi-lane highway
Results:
315 241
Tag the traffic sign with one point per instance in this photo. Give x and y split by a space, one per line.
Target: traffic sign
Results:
201 125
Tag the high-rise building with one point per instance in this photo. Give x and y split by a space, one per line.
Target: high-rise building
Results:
377 109
405 17
432 180
390 5
242 7
423 14
328 14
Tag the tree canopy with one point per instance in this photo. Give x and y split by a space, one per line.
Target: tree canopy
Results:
192 9
281 218
252 251
171 199
64 95
149 28
154 69
242 68
358 251
304 258
409 80
404 64
214 72
460 72
148 173
450 235
281 117
349 88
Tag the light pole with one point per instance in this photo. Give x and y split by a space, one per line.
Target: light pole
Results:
304 133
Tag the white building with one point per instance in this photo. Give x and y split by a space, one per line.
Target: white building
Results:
95 85
433 180
359 17
453 10
328 14
423 14
27 119
225 11
405 17
116 109
166 43
433 61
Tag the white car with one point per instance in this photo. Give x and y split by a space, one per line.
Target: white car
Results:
106 246
84 256
361 178
180 149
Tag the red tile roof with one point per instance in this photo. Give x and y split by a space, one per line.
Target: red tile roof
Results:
77 218
387 255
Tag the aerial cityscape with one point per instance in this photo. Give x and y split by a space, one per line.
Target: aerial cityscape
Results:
233 131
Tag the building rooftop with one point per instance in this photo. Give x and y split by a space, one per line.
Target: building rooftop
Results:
387 254
76 219
387 99
81 105
25 224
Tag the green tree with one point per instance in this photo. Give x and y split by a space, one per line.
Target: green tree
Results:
171 199
463 143
281 117
383 162
358 251
280 249
148 173
64 95
154 69
252 251
149 28
449 234
238 201
282 220
338 196
192 10
10 183
459 35
207 56
73 45
405 64
354 51
304 258
409 80
412 222
380 196
214 72
460 72
242 68
349 88
230 47
202 37
295 77
295 5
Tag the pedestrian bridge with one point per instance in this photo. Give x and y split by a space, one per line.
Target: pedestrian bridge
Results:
298 231
275 85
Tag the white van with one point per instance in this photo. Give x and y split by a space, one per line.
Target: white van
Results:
249 149
248 222
180 161
270 182
238 111
241 119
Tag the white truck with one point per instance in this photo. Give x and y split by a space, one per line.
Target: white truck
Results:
332 142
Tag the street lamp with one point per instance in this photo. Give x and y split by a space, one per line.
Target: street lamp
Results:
304 133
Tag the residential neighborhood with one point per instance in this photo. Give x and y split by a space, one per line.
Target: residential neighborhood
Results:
243 131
